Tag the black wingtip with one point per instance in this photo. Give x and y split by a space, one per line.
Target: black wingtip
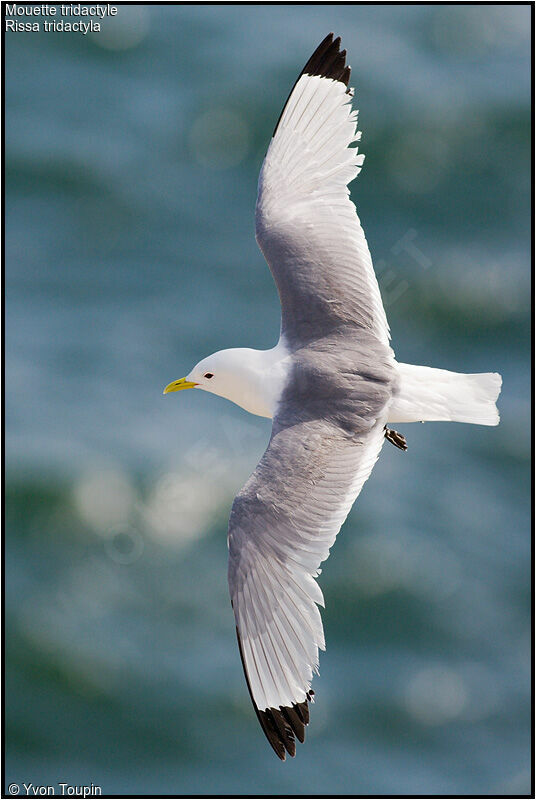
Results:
281 725
327 61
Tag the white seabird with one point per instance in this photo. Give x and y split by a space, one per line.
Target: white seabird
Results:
331 386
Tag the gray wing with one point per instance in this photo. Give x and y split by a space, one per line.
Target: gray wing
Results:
282 525
306 225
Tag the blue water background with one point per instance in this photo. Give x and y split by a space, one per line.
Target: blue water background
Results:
131 166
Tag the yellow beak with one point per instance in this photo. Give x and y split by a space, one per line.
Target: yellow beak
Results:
176 386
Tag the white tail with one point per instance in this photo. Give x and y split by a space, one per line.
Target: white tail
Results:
426 394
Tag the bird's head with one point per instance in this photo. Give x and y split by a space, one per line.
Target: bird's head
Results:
211 374
234 374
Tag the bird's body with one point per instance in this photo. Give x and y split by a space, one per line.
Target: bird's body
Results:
256 379
331 385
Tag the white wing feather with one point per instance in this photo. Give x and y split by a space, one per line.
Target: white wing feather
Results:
306 224
275 556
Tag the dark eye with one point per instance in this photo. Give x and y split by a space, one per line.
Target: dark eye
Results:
208 375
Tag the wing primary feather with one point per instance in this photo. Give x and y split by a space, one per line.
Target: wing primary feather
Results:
331 64
299 613
315 61
276 649
285 730
283 646
325 142
279 725
295 722
326 62
303 708
266 723
257 646
290 628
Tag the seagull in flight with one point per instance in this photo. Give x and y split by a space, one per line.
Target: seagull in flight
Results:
331 385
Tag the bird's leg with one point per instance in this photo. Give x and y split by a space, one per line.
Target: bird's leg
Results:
396 438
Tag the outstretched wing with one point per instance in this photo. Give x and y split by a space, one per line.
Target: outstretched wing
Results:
306 225
282 525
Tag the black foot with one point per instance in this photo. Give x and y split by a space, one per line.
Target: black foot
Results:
395 438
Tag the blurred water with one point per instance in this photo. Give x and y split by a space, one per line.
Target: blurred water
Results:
132 160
